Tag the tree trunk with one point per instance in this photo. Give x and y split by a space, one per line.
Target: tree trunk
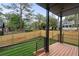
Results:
21 25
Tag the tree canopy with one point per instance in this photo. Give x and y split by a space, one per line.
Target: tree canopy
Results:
14 22
53 22
21 9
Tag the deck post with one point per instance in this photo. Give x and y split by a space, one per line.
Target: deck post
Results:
61 36
46 44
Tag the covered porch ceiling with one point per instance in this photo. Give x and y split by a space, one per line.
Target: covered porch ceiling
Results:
65 8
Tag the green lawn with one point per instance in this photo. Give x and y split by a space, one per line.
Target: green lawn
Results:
24 49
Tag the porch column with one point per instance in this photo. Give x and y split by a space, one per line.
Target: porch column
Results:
61 35
46 47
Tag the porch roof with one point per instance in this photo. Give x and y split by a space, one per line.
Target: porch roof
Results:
65 8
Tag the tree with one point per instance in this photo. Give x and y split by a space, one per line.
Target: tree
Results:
35 26
14 22
53 22
1 11
72 18
43 25
22 8
42 22
40 19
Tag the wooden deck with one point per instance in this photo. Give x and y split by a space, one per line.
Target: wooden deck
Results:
59 49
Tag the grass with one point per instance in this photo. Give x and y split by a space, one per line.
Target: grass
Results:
24 49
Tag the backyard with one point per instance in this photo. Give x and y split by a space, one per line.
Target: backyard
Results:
24 49
24 31
21 44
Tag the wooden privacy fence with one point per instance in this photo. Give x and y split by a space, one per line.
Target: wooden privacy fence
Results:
52 34
69 36
17 38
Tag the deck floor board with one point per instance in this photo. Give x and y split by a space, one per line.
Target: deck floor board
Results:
63 49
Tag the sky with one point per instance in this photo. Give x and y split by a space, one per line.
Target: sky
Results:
37 9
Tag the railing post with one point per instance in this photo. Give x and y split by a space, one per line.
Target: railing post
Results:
46 44
36 46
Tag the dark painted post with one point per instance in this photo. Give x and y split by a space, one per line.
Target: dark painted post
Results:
47 30
61 36
3 29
